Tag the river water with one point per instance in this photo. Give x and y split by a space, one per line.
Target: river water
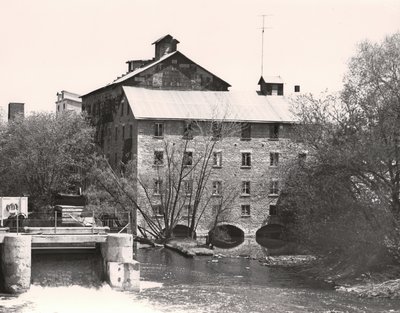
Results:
172 283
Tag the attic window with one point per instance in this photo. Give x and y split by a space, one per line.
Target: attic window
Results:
174 61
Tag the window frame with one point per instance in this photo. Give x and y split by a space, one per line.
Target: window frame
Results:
274 159
246 160
273 210
157 187
188 130
187 210
157 158
216 128
246 188
245 210
158 130
188 187
217 159
274 188
187 158
274 131
245 131
216 188
158 210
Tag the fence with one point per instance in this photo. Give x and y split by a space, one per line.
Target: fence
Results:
117 223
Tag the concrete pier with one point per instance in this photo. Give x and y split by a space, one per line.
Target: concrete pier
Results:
121 271
16 263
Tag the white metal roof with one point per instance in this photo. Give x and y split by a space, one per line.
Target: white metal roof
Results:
207 105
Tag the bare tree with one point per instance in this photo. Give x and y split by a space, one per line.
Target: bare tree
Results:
180 188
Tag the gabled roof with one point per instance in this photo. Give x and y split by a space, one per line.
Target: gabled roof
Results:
164 37
207 105
272 79
142 69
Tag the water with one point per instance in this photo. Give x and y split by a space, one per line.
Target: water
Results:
172 283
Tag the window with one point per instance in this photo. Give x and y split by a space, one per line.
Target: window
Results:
157 186
64 106
217 159
122 107
302 157
246 159
274 131
188 158
187 210
116 158
130 131
158 129
187 187
245 188
245 210
274 187
158 158
273 210
273 159
123 132
245 131
216 130
216 188
216 209
116 133
188 130
158 210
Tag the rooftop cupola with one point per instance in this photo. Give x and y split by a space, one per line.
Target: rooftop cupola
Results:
271 86
164 45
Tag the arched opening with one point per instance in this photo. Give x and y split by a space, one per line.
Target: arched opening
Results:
271 236
181 231
226 236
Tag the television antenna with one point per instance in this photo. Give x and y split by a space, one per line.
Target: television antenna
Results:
263 28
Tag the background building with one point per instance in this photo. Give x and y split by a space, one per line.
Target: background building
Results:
15 109
68 101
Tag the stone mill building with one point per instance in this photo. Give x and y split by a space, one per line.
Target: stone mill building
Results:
158 100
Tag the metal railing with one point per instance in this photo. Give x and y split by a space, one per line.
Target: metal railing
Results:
117 223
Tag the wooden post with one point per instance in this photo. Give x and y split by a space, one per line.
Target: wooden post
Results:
55 221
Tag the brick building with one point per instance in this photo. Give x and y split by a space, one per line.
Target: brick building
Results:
154 102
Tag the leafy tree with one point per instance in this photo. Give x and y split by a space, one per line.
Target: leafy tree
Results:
43 154
345 198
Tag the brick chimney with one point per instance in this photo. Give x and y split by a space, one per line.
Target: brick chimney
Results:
164 45
15 109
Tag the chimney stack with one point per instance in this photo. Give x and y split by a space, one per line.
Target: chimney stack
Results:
15 109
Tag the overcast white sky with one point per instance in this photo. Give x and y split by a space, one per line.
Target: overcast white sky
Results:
80 45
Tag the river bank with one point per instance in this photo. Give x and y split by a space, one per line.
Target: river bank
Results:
383 284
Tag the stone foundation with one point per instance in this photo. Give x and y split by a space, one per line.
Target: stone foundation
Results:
16 263
120 270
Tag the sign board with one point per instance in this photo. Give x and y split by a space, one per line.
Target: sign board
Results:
11 206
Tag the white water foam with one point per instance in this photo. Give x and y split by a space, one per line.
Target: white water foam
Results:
79 299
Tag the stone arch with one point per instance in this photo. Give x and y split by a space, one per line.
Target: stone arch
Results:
270 236
181 231
227 235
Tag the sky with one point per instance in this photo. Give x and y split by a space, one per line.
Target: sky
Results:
81 45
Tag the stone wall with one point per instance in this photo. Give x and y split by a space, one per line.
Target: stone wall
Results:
230 173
